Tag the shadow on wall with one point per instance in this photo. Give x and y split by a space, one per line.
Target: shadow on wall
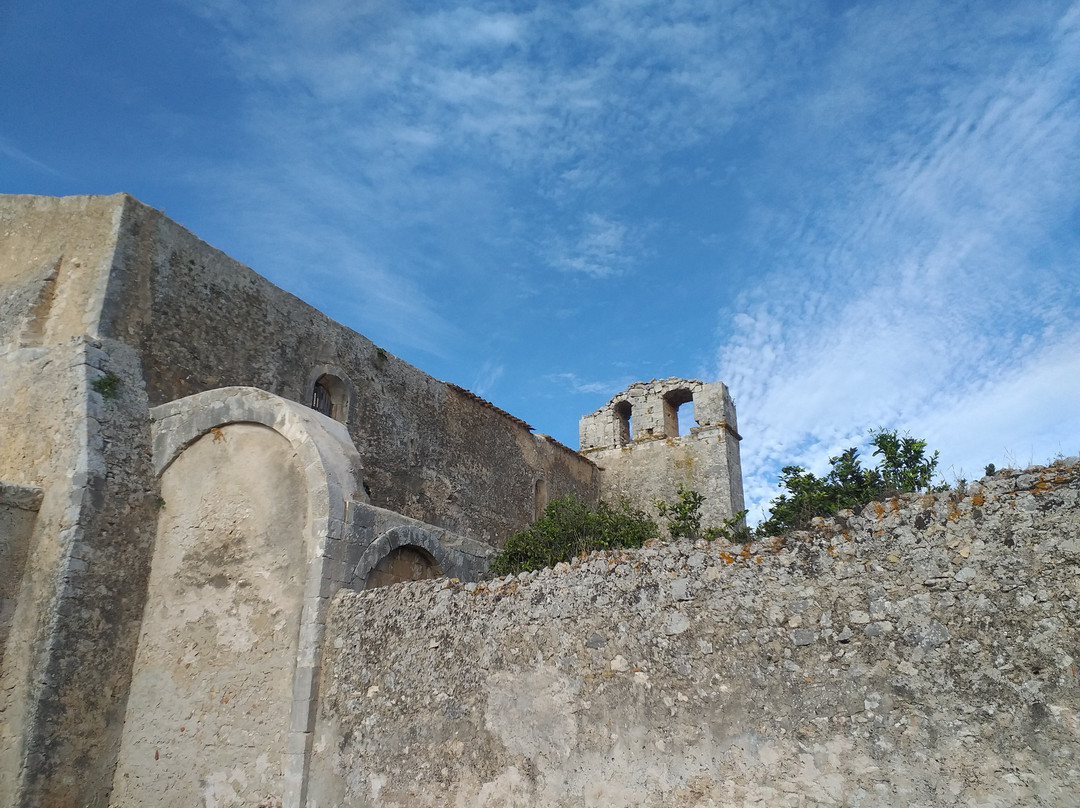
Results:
406 563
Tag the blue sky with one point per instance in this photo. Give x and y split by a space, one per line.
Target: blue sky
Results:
854 214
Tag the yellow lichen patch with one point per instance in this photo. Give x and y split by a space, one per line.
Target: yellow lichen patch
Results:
978 500
879 509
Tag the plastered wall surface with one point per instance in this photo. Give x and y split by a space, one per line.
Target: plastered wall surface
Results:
219 637
55 255
18 510
66 655
67 652
919 653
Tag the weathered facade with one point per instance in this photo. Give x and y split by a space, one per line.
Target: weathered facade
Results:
644 453
192 463
921 652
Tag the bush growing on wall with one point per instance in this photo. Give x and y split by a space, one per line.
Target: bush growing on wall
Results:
568 528
683 519
904 467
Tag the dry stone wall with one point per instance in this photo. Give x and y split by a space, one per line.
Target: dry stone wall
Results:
922 652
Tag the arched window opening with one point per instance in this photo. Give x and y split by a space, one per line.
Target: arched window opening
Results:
405 563
541 499
321 400
330 396
623 413
678 418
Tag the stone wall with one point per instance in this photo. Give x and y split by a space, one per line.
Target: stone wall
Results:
108 309
53 264
922 652
431 451
19 505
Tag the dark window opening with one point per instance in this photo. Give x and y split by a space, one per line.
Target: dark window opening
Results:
623 412
321 401
330 396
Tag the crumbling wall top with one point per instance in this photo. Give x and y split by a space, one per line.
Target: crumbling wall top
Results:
650 411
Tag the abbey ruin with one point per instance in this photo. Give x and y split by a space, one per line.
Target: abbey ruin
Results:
193 463
206 487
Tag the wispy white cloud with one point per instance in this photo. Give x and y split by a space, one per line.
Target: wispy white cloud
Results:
10 151
572 383
603 247
893 167
482 130
490 372
913 313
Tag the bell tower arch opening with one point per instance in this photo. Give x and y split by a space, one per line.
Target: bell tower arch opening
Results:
678 418
623 423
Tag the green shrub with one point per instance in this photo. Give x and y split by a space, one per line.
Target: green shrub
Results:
568 528
732 529
108 386
683 519
904 467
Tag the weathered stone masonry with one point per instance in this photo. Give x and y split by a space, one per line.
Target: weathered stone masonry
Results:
192 464
635 440
923 652
132 354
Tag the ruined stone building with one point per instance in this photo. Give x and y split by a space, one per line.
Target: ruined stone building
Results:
636 440
193 462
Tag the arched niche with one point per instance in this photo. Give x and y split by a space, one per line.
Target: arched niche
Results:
210 704
421 554
247 439
329 392
405 563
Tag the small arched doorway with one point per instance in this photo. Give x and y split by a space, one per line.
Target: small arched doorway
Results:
405 563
